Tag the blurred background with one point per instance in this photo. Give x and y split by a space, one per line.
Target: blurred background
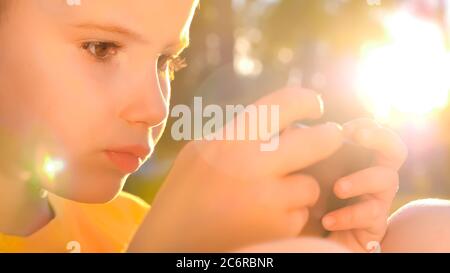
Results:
387 59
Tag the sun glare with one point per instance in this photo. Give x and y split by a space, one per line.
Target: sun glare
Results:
408 77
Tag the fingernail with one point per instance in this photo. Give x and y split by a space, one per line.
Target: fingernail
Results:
299 125
321 104
334 125
329 221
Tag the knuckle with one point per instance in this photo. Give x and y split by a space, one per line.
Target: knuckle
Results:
399 147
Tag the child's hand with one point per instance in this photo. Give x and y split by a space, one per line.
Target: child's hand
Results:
222 195
363 224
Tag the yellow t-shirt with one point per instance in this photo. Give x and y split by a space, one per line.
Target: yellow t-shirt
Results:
81 227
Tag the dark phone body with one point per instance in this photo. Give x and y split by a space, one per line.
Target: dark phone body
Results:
348 159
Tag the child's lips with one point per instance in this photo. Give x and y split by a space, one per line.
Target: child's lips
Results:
126 162
128 159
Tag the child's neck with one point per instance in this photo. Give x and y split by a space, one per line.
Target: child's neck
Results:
22 210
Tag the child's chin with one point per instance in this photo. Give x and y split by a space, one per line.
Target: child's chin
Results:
89 190
93 198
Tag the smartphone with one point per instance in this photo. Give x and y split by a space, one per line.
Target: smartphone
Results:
348 159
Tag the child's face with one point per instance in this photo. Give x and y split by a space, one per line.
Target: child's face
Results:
78 82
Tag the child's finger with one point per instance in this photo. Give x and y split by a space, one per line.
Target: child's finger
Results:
362 215
391 151
375 180
299 191
352 127
302 147
297 220
295 104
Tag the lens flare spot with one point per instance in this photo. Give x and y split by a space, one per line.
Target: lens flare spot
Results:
52 166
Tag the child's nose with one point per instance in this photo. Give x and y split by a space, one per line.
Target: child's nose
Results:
145 102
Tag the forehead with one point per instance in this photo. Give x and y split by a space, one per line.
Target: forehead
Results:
146 17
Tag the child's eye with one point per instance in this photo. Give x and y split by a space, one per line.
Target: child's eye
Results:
170 64
101 50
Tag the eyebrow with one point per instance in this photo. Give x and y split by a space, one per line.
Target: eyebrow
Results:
113 29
